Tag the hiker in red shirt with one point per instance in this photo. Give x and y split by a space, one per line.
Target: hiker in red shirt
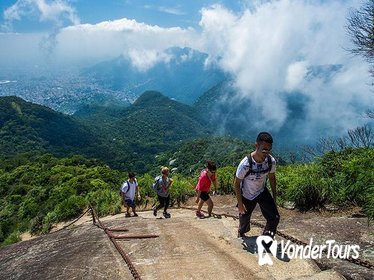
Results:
207 177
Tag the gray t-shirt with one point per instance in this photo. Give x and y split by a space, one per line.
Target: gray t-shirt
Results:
162 186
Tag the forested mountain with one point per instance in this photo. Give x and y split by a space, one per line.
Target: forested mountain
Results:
25 126
126 138
154 124
228 112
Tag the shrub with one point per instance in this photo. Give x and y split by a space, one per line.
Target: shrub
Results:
303 185
48 221
36 224
181 190
14 237
225 177
69 208
105 201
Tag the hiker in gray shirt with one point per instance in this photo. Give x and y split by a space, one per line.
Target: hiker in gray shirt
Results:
162 186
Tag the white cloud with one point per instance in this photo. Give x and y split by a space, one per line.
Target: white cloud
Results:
52 11
143 44
145 59
269 48
172 11
166 9
295 74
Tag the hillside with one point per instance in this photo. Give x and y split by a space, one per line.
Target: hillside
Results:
153 124
28 127
124 137
227 112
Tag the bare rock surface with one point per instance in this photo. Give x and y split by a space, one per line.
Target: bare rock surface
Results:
186 248
83 252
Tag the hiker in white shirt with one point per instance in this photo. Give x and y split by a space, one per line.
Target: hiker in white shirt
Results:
129 190
250 186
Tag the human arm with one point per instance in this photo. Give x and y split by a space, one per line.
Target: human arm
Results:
215 187
137 193
212 179
171 181
273 185
238 194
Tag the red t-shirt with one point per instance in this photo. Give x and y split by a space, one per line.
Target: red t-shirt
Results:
204 183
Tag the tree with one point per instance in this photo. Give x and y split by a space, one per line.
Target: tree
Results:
361 29
361 136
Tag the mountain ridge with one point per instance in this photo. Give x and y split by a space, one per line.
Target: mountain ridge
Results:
129 138
183 75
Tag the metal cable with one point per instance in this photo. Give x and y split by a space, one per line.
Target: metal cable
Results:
113 238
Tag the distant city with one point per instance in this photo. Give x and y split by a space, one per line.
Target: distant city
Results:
64 93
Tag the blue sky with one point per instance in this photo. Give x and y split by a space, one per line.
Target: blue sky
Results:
165 13
270 47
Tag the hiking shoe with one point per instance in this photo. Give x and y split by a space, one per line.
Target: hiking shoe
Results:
127 215
167 215
154 211
135 215
269 233
199 214
240 235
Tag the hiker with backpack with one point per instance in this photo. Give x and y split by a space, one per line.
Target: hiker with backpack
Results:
129 190
250 186
207 177
162 186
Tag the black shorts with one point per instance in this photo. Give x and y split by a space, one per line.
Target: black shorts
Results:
204 196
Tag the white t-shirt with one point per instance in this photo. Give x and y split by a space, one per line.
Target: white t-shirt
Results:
129 193
254 183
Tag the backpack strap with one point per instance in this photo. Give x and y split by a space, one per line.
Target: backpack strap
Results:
267 170
249 158
128 186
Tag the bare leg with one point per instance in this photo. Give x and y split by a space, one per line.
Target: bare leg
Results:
210 206
200 204
134 211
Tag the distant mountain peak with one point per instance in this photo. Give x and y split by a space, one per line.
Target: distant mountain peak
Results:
150 97
182 75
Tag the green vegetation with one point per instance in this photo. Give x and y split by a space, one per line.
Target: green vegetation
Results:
37 192
343 178
28 127
123 137
53 165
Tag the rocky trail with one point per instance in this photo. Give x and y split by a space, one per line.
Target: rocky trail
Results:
186 248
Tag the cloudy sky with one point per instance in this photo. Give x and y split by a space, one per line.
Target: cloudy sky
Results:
271 48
